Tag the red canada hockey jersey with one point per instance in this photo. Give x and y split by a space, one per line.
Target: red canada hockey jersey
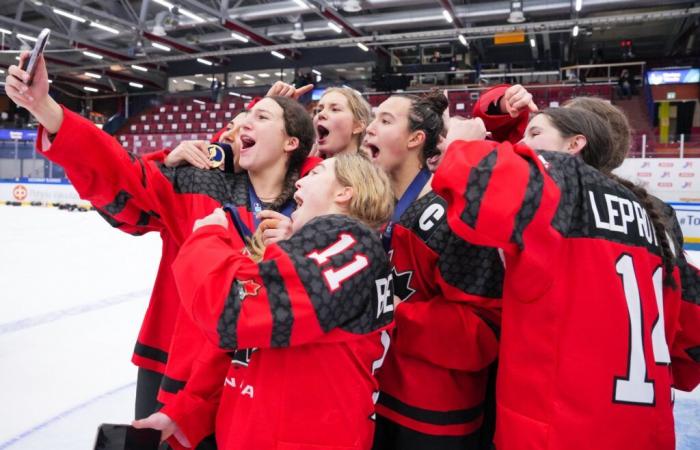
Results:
587 322
434 378
309 327
139 195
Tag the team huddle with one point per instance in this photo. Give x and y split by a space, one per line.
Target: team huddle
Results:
397 279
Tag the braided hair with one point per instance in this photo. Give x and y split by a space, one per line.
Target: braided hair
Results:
425 114
298 124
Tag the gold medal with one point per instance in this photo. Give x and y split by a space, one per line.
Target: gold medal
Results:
216 155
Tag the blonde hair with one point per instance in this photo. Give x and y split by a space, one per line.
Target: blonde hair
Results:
361 110
372 202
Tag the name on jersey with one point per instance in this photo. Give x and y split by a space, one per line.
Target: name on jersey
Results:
241 385
621 218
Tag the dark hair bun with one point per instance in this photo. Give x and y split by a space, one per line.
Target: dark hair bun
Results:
436 101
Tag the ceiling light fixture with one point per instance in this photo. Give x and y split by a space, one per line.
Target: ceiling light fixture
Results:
63 13
160 46
104 27
448 17
92 55
334 26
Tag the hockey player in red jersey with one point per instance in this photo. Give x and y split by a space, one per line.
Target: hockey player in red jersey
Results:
310 319
591 295
141 193
340 120
432 394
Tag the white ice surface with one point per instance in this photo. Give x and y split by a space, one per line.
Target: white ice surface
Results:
73 292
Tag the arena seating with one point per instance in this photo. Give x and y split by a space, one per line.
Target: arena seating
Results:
166 125
185 119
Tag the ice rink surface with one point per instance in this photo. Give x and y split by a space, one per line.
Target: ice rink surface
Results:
73 292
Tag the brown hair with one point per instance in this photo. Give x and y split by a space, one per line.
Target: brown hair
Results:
361 111
425 114
601 153
298 124
619 128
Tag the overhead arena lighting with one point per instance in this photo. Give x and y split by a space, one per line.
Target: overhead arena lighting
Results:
90 89
235 94
574 31
104 27
189 81
251 77
277 54
533 43
239 37
317 72
160 46
334 26
206 62
180 10
63 13
363 47
516 12
139 68
92 55
248 81
264 75
136 85
448 17
578 5
96 76
24 36
4 31
199 102
463 40
302 4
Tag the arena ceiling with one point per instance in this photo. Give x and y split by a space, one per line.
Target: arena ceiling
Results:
144 42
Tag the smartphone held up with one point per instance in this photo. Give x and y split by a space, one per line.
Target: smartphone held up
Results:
29 65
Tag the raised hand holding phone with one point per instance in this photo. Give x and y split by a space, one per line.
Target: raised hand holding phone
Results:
31 64
34 98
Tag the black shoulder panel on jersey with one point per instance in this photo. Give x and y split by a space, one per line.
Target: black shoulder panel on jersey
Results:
530 204
216 184
477 183
280 304
427 218
228 321
118 204
473 269
593 205
353 305
564 170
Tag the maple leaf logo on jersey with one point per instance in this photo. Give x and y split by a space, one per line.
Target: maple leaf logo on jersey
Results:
402 284
247 288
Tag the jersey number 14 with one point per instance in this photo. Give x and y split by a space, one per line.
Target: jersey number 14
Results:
636 387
